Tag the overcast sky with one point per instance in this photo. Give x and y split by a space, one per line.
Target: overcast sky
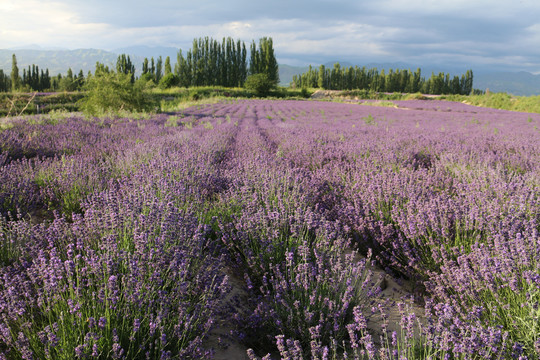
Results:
501 34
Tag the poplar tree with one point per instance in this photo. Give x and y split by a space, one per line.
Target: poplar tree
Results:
35 79
4 81
168 68
182 71
14 74
145 69
320 80
46 83
263 60
125 66
254 61
468 82
243 65
159 70
80 79
270 62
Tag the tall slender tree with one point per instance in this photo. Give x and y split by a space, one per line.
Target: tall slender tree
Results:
159 70
80 79
125 66
152 68
168 68
15 80
263 60
320 80
4 82
145 69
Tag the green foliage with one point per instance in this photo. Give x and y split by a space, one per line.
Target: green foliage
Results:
210 62
68 82
5 82
369 120
125 66
146 81
14 74
263 60
159 70
500 101
172 121
168 68
174 99
168 81
320 77
392 81
109 92
260 83
12 104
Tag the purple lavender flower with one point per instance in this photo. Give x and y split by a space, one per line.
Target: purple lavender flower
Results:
102 322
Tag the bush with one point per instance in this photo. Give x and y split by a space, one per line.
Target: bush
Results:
259 83
147 80
112 93
168 81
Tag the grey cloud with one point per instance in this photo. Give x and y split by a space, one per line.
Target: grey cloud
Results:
479 32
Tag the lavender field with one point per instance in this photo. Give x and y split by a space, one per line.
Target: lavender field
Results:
272 229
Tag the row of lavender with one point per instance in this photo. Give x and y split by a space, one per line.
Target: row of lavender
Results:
121 267
446 195
152 213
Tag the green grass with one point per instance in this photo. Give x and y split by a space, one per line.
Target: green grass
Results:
14 104
500 101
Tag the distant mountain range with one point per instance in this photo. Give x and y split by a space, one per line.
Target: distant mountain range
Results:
59 60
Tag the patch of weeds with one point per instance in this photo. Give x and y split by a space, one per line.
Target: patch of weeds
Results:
5 125
188 123
369 120
379 103
172 121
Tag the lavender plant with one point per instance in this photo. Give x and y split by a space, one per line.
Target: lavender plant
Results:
84 293
116 233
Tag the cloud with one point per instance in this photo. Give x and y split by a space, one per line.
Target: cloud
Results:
483 31
44 22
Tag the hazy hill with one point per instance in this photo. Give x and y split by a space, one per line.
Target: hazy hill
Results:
286 72
58 61
517 83
150 51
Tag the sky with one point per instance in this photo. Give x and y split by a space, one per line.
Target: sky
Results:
498 34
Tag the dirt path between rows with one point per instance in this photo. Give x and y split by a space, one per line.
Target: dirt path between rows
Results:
227 347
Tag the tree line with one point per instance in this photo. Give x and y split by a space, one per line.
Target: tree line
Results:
208 63
404 81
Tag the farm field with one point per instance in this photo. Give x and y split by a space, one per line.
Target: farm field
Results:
272 229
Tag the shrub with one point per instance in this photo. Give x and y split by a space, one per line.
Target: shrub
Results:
168 81
111 93
259 83
146 81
